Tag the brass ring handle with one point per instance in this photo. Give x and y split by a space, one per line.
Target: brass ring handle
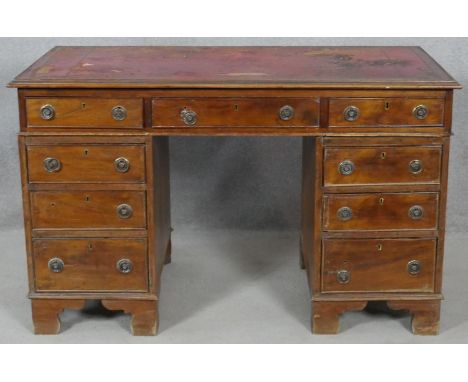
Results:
415 166
346 167
189 117
56 265
119 113
343 276
416 212
345 213
47 112
286 113
351 113
414 267
124 211
52 164
122 164
420 112
124 266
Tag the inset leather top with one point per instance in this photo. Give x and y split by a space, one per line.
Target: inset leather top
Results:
236 67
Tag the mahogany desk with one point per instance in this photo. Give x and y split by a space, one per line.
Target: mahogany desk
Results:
94 128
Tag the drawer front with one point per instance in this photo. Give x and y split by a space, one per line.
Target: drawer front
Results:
84 112
377 212
90 265
235 112
86 163
382 165
88 209
356 112
381 265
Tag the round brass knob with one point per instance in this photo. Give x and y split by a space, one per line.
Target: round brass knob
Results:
420 111
52 164
125 211
189 117
122 164
351 113
55 265
47 112
124 266
346 167
119 113
286 113
416 212
415 166
345 213
414 267
343 276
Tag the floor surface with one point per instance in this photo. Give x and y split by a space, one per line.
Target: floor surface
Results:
230 286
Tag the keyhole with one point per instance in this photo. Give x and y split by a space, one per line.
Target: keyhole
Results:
383 155
236 107
86 151
387 105
83 105
87 198
381 201
90 247
379 247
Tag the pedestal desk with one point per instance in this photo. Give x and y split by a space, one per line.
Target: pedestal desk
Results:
95 124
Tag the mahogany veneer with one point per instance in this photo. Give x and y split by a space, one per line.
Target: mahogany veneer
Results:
94 151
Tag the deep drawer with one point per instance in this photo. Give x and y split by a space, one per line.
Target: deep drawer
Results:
380 265
382 165
84 112
383 211
356 112
90 265
86 163
88 209
235 112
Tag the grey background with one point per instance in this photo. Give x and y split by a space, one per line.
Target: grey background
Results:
235 204
227 182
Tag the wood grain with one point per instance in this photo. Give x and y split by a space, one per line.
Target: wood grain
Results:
86 164
86 209
382 211
84 112
235 112
91 265
399 112
145 317
46 313
378 265
382 165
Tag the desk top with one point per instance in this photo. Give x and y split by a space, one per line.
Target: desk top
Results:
236 67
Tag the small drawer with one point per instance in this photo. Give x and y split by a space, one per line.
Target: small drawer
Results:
346 166
380 265
380 212
88 209
100 265
369 112
84 112
235 112
86 163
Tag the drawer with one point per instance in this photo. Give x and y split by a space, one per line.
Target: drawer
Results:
90 265
380 265
384 211
235 112
86 163
382 165
355 112
84 112
88 209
